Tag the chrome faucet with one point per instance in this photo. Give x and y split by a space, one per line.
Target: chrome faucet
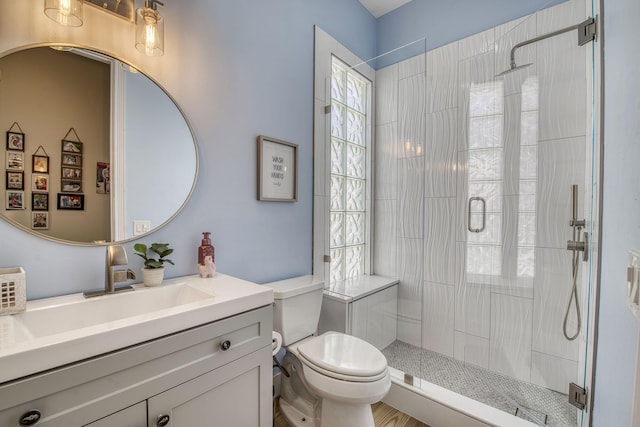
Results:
115 256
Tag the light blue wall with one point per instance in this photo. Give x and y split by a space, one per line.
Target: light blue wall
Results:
620 227
442 22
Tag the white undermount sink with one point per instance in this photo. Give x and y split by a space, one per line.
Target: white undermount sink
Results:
69 328
56 319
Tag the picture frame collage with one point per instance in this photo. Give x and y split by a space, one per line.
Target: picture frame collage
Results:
19 181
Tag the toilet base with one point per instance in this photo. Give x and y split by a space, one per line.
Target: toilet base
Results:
338 414
295 417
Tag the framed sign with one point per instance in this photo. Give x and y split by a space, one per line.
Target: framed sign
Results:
277 170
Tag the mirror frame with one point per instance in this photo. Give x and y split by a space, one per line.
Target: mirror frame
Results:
35 233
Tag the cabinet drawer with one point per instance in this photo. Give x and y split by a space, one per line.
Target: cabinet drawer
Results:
81 393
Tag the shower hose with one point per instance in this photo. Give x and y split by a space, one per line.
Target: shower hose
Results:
574 293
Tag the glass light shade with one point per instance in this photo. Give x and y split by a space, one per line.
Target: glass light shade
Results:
65 12
149 32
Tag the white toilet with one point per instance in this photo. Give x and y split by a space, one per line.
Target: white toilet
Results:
333 378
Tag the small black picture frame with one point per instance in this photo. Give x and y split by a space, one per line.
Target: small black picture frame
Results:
15 180
15 141
74 202
74 147
69 159
39 201
40 164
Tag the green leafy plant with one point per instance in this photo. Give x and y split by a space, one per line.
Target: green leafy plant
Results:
160 249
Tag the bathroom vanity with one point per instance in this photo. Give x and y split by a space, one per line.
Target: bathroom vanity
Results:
203 360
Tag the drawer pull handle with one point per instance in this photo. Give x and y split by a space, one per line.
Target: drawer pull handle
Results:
30 418
163 420
225 345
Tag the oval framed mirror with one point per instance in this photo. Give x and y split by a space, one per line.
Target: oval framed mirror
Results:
96 153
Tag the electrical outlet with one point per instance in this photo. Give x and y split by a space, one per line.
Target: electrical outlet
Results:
141 227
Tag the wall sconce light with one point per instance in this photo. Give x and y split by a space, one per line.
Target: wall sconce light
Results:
150 29
65 12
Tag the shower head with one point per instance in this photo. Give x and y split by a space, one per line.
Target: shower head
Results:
513 68
586 33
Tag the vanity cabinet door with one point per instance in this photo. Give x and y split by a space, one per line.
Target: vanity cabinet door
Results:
237 394
133 416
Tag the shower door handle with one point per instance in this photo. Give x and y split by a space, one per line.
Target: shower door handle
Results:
484 214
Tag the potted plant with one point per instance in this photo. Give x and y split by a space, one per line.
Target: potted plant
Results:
153 271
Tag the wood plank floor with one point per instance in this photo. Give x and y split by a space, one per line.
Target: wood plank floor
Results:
383 415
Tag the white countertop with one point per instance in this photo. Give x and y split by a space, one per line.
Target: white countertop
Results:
22 354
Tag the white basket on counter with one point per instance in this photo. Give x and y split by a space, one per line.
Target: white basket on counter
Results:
13 292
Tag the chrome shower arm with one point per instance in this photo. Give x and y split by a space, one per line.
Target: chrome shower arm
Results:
586 33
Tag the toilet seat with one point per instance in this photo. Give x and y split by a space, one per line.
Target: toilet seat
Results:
343 357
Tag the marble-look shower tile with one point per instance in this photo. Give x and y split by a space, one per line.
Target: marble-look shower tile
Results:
411 116
442 154
470 349
560 165
410 272
473 309
442 78
387 94
553 285
411 197
562 85
385 238
438 318
410 330
386 162
440 254
510 342
476 44
552 372
412 66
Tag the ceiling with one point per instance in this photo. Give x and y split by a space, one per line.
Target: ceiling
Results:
380 7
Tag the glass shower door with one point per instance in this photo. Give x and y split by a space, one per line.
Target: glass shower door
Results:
527 144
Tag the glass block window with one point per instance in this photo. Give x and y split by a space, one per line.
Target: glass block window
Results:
350 97
485 176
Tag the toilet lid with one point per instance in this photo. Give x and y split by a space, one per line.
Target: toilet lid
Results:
344 354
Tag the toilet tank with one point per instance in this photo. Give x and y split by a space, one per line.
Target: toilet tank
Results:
297 307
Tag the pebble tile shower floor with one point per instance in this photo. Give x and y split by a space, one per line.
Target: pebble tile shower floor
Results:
534 403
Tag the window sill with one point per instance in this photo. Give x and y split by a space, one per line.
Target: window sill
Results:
358 287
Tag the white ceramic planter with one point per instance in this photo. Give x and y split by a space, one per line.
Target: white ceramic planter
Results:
152 276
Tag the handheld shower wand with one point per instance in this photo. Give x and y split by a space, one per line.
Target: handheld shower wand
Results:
575 246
